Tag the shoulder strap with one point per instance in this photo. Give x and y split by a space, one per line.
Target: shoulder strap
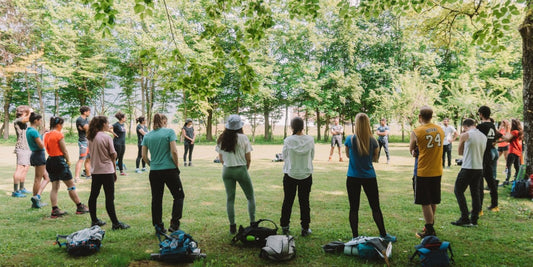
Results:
266 220
59 243
446 245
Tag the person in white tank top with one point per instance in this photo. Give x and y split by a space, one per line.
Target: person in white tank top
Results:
472 145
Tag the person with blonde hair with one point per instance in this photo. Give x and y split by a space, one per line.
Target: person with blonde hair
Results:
22 150
362 149
163 162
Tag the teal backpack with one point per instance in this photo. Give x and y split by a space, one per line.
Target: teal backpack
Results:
433 252
177 247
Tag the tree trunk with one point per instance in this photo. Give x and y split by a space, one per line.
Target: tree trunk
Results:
209 126
526 31
317 124
286 121
266 116
41 100
7 103
326 129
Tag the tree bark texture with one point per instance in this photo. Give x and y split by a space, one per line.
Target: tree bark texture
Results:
526 31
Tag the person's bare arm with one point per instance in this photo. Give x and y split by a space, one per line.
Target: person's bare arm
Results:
221 158
412 144
248 157
375 157
174 152
145 155
63 148
462 140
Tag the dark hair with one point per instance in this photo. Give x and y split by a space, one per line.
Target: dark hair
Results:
96 125
469 122
54 121
484 111
84 109
140 119
159 121
119 115
34 116
297 125
426 113
187 122
515 125
228 140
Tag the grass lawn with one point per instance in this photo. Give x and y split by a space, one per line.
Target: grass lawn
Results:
27 236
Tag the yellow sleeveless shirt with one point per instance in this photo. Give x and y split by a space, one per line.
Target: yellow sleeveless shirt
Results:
429 139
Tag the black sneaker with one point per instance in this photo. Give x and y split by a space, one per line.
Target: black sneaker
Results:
462 222
98 222
232 229
82 209
57 213
425 233
119 226
173 228
160 229
306 232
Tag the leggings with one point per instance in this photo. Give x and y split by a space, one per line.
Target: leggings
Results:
290 186
512 160
139 157
230 176
108 181
120 156
370 185
188 147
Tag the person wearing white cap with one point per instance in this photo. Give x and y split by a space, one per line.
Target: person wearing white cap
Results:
234 151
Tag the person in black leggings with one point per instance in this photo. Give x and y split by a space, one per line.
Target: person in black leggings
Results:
141 131
188 136
119 142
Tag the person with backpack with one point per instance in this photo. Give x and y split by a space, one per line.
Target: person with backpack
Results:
234 151
298 153
103 171
37 160
515 148
58 167
362 149
472 143
163 162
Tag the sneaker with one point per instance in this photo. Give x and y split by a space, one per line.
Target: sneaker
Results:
143 169
123 174
57 213
389 238
82 209
160 229
98 222
306 232
462 222
174 227
480 213
24 191
119 226
425 233
17 194
184 164
493 209
190 164
35 202
137 171
88 177
232 229
285 230
388 161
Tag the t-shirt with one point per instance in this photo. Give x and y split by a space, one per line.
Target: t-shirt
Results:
489 130
337 128
429 139
158 144
189 132
298 153
120 131
383 129
503 143
515 146
474 148
82 134
102 151
237 158
448 134
139 135
51 143
360 166
31 134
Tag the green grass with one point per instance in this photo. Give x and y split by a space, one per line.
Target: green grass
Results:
27 236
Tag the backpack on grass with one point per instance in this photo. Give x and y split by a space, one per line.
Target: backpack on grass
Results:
83 242
279 248
521 184
255 235
433 252
369 248
177 247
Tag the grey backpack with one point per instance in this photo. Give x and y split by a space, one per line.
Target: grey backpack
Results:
279 248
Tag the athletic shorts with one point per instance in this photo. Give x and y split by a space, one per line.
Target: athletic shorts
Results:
58 169
23 157
336 140
427 190
37 158
503 148
84 149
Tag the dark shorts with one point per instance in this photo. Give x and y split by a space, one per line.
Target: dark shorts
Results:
83 149
58 169
427 190
37 158
336 140
503 148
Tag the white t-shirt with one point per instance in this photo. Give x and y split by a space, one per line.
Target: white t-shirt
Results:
448 134
242 147
298 153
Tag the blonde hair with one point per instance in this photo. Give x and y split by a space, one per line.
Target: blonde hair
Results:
160 121
363 134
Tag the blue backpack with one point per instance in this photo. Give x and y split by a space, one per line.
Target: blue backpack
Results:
177 247
433 252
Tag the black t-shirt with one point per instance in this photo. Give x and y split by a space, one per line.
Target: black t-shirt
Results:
82 134
189 132
119 130
488 129
140 137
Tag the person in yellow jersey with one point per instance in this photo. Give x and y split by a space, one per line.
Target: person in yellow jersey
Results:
427 144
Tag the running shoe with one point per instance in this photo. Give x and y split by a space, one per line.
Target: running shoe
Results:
389 238
17 194
57 213
98 222
82 209
306 232
493 208
425 233
35 202
24 191
462 222
119 226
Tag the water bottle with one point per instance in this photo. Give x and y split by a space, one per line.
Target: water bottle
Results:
251 238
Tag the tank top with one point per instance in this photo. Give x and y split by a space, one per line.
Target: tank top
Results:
474 149
430 139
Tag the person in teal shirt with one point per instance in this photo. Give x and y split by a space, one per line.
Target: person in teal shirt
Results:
37 160
163 162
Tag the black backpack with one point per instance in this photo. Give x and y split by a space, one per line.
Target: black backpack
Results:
520 187
254 235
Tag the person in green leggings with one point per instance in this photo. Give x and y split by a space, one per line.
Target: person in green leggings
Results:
234 151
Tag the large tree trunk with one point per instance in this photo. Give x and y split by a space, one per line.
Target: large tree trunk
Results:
7 103
266 115
526 31
317 124
209 126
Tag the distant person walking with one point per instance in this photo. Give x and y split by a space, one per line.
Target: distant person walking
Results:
104 171
163 162
298 153
234 151
188 137
361 150
515 148
37 159
383 138
336 138
472 145
57 166
142 130
426 143
22 151
82 124
119 131
449 136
